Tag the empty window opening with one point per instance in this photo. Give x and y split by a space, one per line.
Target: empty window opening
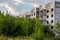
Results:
51 21
47 11
52 15
47 22
51 27
47 16
52 10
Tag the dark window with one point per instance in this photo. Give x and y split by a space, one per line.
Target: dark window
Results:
51 21
37 12
51 9
51 27
47 16
47 22
34 14
52 15
47 11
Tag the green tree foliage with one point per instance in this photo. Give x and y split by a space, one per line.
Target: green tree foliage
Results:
1 21
11 26
27 27
58 25
47 32
9 23
39 32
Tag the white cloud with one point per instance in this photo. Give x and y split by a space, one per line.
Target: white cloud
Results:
1 4
9 8
12 10
33 3
14 5
19 1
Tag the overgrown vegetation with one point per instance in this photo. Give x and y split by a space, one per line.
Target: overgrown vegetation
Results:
11 26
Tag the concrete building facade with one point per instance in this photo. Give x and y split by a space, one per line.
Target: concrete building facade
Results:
34 13
49 14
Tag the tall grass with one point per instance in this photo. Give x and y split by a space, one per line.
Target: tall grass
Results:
15 38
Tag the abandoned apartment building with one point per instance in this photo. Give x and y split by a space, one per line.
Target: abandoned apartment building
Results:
49 13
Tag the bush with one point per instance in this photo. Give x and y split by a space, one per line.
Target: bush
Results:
39 32
11 26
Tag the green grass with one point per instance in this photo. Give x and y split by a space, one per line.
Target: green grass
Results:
15 38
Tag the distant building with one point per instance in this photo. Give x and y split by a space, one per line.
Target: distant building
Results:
34 13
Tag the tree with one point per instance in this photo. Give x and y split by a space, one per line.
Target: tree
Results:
39 32
48 33
1 21
26 25
58 26
8 24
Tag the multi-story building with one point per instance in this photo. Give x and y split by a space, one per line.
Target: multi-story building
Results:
42 14
48 14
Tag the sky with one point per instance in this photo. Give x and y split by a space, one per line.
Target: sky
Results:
19 7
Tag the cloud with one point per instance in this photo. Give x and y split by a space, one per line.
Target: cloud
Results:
19 1
9 5
17 7
14 9
32 3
